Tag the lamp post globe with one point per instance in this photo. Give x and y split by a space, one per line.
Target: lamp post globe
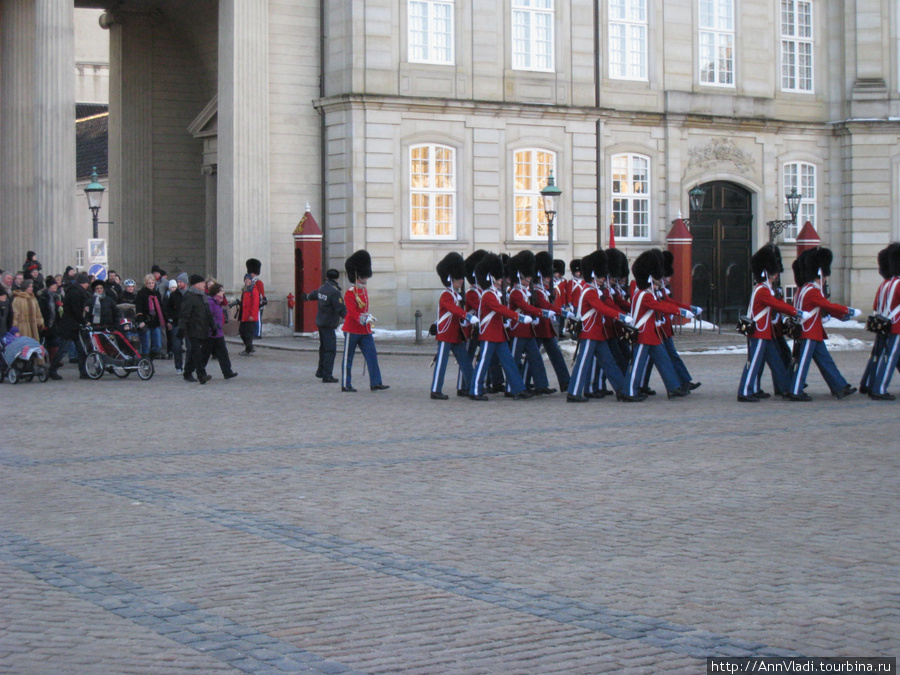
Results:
549 198
94 193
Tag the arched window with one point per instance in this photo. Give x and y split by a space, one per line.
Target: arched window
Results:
802 176
533 167
630 196
432 191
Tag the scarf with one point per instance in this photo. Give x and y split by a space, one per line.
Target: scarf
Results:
155 309
96 309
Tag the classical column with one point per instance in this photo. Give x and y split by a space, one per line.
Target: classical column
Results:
131 142
243 140
54 112
17 133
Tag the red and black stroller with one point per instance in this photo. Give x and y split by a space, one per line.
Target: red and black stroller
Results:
110 351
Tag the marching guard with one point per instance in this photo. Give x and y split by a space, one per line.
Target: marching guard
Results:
547 298
867 381
761 344
451 318
358 322
492 333
810 271
524 342
890 310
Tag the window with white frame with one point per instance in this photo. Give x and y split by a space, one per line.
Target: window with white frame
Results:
533 169
432 191
631 200
802 176
431 31
532 35
796 45
628 39
717 42
790 292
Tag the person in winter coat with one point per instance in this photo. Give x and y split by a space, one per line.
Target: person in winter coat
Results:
215 344
101 309
27 312
195 323
73 317
173 312
331 312
151 319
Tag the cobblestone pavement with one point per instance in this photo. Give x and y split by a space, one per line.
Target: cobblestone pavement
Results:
273 524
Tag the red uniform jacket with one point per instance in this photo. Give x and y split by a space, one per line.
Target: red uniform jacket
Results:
810 299
545 327
763 302
450 313
646 310
491 312
250 300
473 299
891 303
519 303
593 313
611 326
357 301
665 294
562 291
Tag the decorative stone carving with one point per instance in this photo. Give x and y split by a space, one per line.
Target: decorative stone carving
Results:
720 150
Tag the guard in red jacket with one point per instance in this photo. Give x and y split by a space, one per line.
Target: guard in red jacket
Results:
890 308
473 301
618 290
253 299
451 319
810 270
646 310
358 322
593 310
761 344
492 333
546 331
524 342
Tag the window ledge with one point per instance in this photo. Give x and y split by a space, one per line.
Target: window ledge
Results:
453 244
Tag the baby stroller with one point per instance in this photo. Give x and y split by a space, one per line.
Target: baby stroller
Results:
110 351
19 360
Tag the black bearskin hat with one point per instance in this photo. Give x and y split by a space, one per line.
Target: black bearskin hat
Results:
504 262
780 267
764 263
894 259
254 266
618 263
543 265
648 264
817 259
594 265
358 265
559 267
521 265
575 265
451 267
884 263
800 266
471 261
668 264
491 266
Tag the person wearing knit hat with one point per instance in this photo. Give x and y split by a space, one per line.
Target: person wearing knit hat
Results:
215 343
195 323
330 312
174 300
358 322
814 267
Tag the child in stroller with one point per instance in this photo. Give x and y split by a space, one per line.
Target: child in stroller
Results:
21 358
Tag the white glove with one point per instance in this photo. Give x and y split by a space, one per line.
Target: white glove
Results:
473 320
687 314
363 319
852 312
524 318
570 315
627 319
370 318
696 310
548 314
805 316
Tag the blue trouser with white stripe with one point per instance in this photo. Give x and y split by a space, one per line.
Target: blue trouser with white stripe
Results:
557 360
440 365
501 350
582 371
534 364
680 369
644 355
366 345
887 363
763 351
815 350
869 374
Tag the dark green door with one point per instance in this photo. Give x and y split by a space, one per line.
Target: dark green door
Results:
722 232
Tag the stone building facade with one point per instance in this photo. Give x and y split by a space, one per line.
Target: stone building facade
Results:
416 127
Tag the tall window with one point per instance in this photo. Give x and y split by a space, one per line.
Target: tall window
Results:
532 34
628 39
802 176
431 31
630 190
717 42
533 167
796 46
432 191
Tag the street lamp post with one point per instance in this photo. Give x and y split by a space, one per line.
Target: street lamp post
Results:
776 227
696 196
94 193
549 195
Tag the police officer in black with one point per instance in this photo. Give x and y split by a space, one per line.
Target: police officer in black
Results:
330 315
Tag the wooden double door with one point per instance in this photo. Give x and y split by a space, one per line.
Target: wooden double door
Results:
722 231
